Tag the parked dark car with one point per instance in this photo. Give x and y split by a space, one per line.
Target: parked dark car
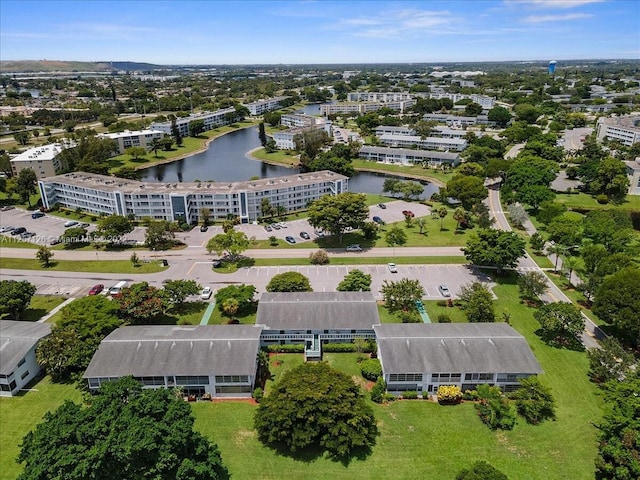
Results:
382 206
290 239
18 230
204 228
37 215
96 289
217 263
25 235
377 219
305 235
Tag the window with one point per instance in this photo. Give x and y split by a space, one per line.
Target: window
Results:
405 377
192 380
24 375
94 383
21 362
4 387
446 377
12 385
232 378
238 389
487 377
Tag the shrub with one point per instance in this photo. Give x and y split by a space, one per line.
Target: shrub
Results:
287 348
410 395
378 391
444 318
494 409
534 401
449 394
273 241
319 257
441 303
470 395
339 348
409 316
258 394
371 369
602 199
481 470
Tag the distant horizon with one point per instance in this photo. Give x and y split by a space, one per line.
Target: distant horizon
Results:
303 32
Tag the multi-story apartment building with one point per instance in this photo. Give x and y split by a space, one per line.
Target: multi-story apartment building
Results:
407 156
262 106
299 124
391 130
365 107
429 143
43 160
211 120
378 96
297 120
484 101
100 194
137 138
625 129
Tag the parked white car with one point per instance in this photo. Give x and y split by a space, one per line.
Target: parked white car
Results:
206 293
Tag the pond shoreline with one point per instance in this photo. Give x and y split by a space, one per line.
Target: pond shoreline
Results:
205 146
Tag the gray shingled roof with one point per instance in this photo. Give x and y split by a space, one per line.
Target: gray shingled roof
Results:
16 339
177 350
454 347
318 311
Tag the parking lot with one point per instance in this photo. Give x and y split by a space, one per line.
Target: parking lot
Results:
326 278
49 227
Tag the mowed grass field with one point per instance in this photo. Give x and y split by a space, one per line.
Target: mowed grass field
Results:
418 439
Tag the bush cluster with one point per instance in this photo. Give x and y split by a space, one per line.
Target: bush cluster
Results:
371 369
449 394
287 348
319 257
410 395
494 409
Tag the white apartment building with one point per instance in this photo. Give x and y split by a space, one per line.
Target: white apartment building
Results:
42 160
365 107
211 121
484 101
137 138
407 156
429 143
457 121
445 132
285 139
625 129
101 194
378 96
297 120
262 106
391 130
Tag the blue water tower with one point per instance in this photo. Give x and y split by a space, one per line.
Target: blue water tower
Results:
552 67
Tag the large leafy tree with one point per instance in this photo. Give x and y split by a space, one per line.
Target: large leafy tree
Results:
611 228
532 285
140 303
289 282
534 401
494 248
617 301
232 244
565 230
125 432
44 256
89 152
178 290
15 297
396 236
469 189
560 322
243 294
610 362
336 213
355 281
26 184
113 228
76 336
477 302
160 235
500 115
528 170
314 406
402 294
619 437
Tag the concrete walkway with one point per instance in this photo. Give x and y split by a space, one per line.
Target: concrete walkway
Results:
207 313
56 310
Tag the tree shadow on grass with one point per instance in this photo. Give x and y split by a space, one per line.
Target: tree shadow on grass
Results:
33 314
560 342
312 454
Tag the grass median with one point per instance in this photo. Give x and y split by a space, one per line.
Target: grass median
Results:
444 260
106 266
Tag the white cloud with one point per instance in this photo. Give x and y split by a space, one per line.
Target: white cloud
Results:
555 18
554 3
397 23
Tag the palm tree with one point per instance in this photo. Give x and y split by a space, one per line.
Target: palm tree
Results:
442 212
555 250
155 145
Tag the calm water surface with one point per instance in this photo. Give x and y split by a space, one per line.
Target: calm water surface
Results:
225 160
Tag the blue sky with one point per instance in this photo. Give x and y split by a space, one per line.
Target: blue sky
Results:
320 31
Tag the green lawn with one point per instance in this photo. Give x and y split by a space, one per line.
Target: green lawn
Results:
217 318
578 298
106 266
587 202
418 439
39 306
20 414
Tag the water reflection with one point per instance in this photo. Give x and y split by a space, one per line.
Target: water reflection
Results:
225 161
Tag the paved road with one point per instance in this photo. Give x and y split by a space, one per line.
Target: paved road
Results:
553 294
